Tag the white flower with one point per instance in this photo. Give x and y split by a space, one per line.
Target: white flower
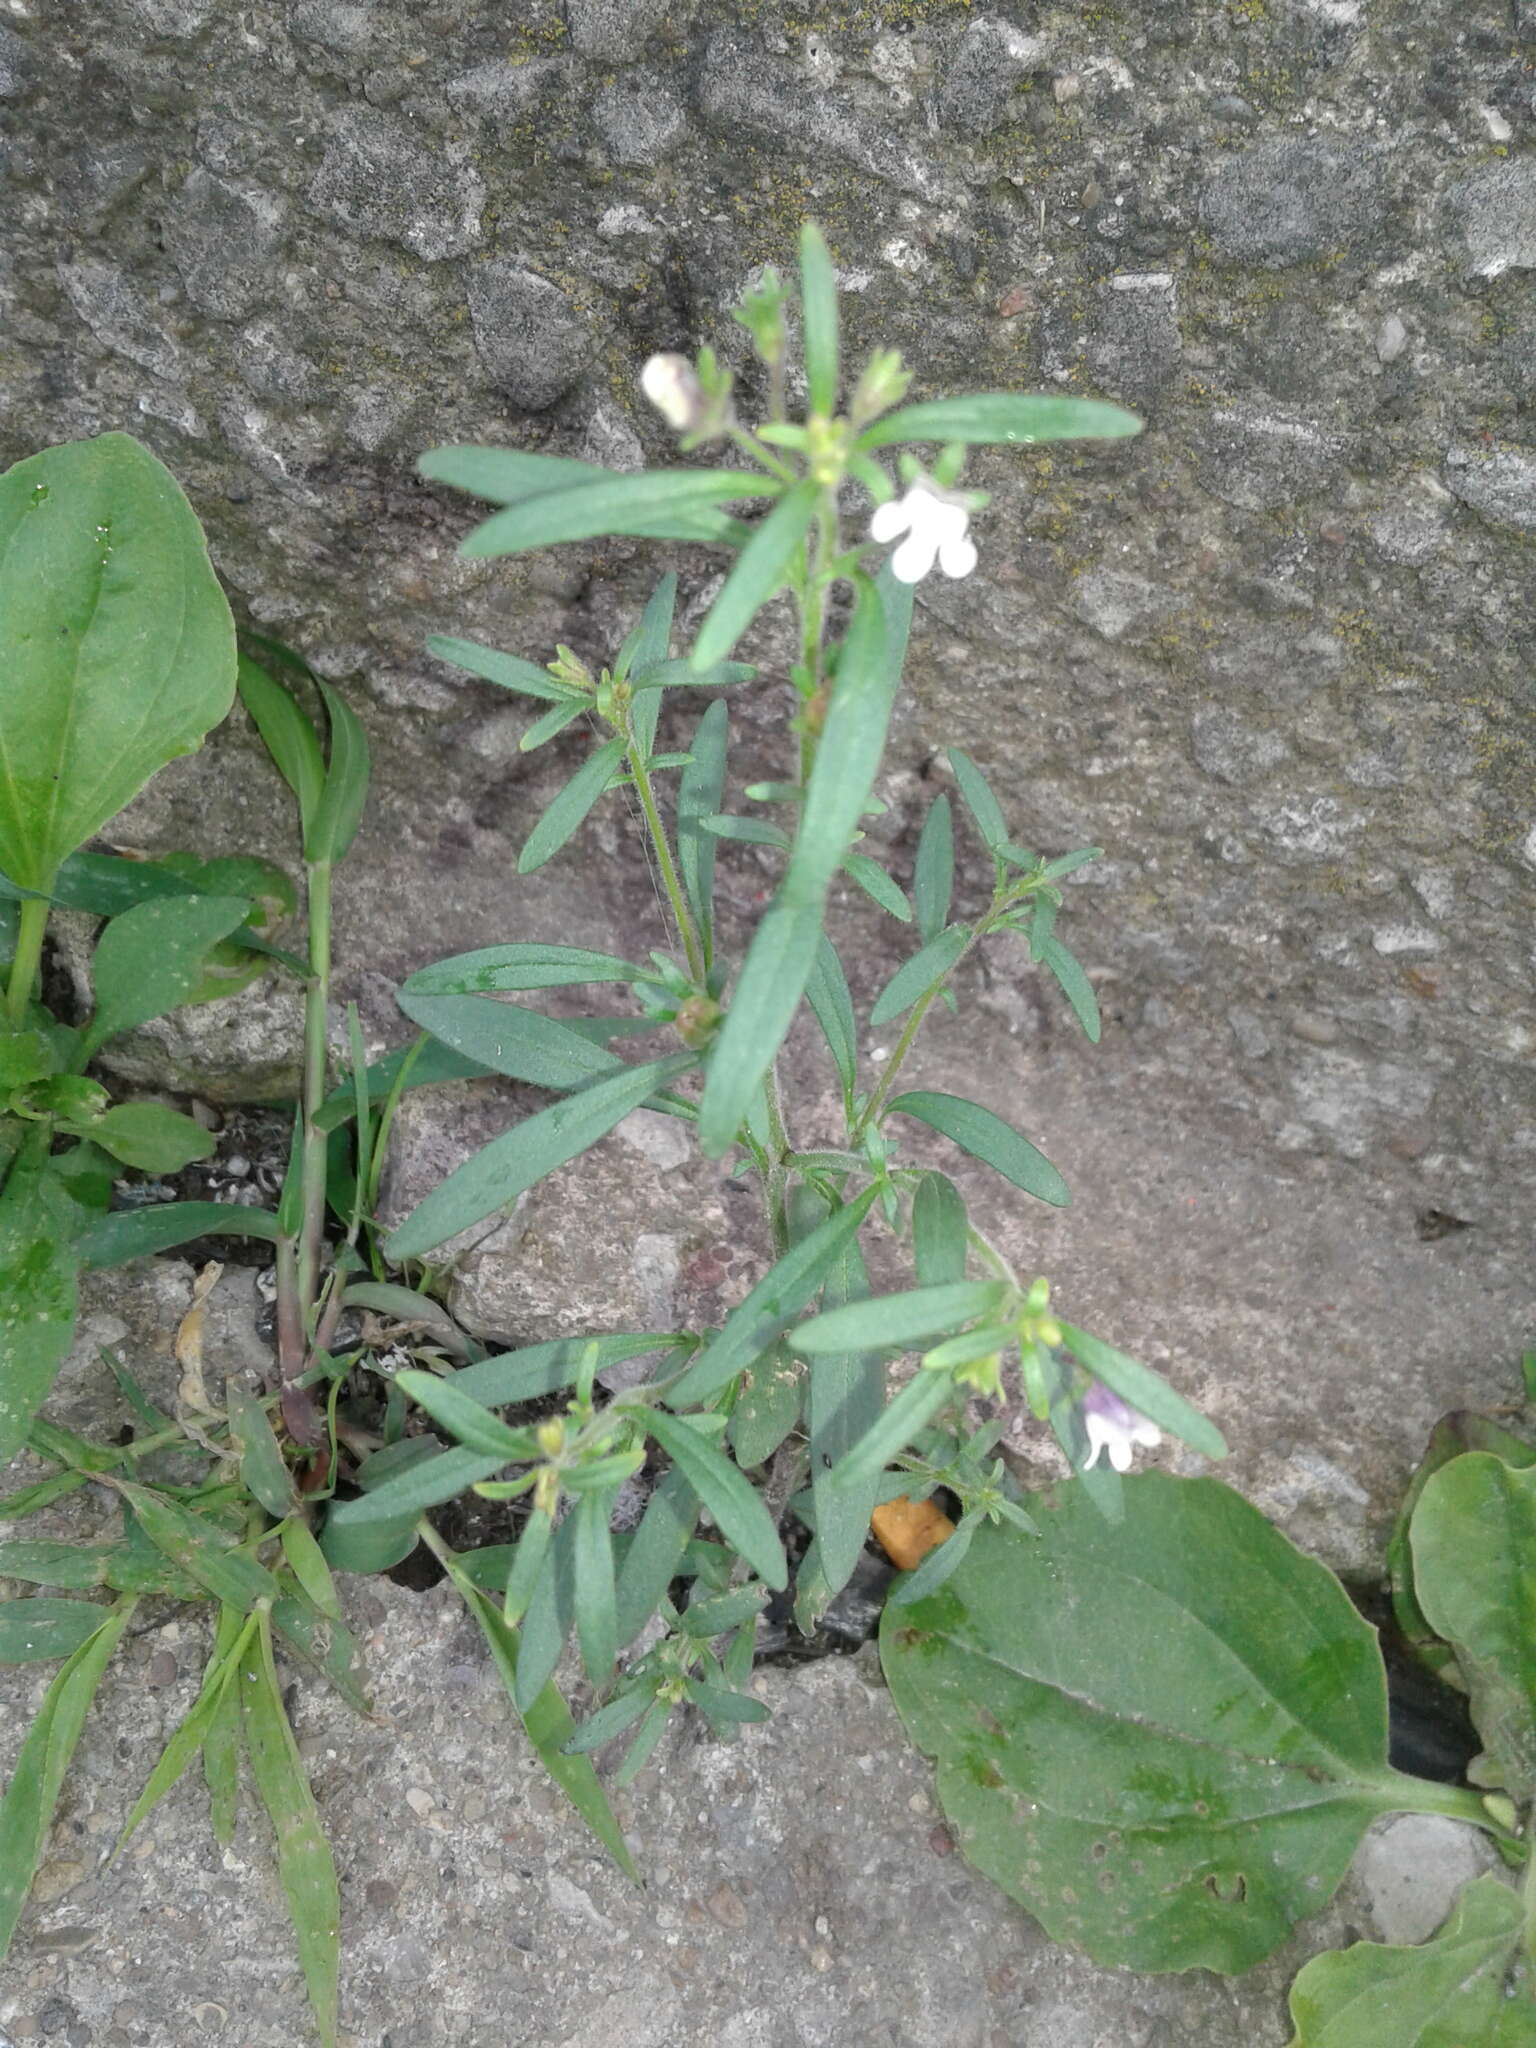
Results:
672 386
934 525
1116 1428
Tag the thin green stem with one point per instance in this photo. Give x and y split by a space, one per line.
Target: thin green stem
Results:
1528 1902
914 1024
313 1152
29 952
664 861
759 451
776 1178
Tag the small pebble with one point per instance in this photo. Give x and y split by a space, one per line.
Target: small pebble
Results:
1391 339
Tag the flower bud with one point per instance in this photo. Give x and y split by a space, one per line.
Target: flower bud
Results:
672 385
550 1437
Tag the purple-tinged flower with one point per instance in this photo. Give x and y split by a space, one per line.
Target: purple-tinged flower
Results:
1114 1427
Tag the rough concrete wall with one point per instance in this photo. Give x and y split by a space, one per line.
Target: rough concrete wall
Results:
1272 655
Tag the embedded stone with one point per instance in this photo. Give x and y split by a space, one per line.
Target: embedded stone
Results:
638 119
1292 201
175 18
1259 460
15 64
1491 218
335 24
530 337
117 316
223 241
501 92
982 76
612 28
1227 747
379 180
1501 485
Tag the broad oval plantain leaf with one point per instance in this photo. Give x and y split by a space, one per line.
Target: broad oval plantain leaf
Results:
1163 1735
1445 1993
117 649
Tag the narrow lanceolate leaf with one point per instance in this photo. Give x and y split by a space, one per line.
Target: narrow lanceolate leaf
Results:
117 648
651 1561
933 877
647 646
262 1467
608 1722
661 504
1075 985
876 883
596 1619
699 792
1446 1993
37 1294
901 1319
340 809
845 1396
153 956
221 1739
772 1306
827 993
760 573
818 313
504 475
939 1227
784 948
1011 416
130 1234
425 1483
1145 1390
916 976
537 1369
219 1690
509 670
987 1138
512 1163
747 831
979 800
1473 1536
196 1547
307 1562
506 1039
733 1502
37 1629
501 970
1179 1701
549 1725
287 734
26 1812
305 1867
907 1416
767 1407
571 806
474 1426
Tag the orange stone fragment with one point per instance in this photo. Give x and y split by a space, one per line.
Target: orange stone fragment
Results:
907 1530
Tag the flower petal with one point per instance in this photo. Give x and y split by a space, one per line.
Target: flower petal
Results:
957 557
914 558
891 520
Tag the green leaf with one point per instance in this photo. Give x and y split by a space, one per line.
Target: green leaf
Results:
546 1624
784 948
699 794
916 976
933 877
979 800
987 1138
287 734
767 1408
1179 1703
504 475
78 1567
26 1812
731 1500
321 1641
549 1725
37 1294
1146 1390
717 1705
659 504
218 1691
426 1481
199 1548
845 1397
152 957
306 1560
514 1162
504 1038
668 675
424 1063
608 1722
772 1306
571 806
901 1320
760 572
941 1563
117 649
1446 1993
131 1234
905 1419
747 831
37 1628
537 1369
263 1469
651 1562
875 882
596 1617
474 1426
340 809
368 1547
509 670
939 1231
528 1561
646 647
827 993
551 725
305 1867
1075 985
149 1137
818 312
1013 416
1473 1536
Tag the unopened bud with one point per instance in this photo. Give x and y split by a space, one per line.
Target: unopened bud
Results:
697 1021
884 383
550 1437
672 385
